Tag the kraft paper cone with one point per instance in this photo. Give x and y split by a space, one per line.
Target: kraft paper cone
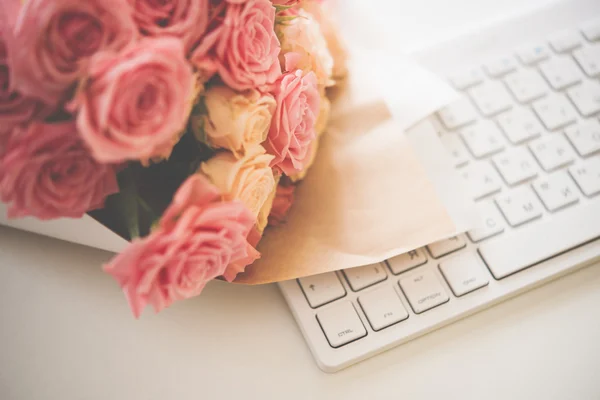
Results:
367 197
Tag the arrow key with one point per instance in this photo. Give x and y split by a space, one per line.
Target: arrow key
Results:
322 289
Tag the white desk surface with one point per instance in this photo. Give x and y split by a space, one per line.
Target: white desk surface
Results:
66 332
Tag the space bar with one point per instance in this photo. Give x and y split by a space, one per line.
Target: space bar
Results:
539 241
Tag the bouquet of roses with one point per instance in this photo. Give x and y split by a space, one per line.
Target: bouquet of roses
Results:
182 125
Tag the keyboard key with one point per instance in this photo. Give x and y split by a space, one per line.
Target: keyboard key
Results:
586 98
457 114
490 223
526 85
491 98
483 139
588 59
382 307
533 53
464 272
367 275
585 137
322 289
565 41
516 165
406 261
500 67
587 176
555 111
560 72
482 180
519 125
591 30
446 246
552 151
535 243
423 290
556 191
456 148
467 78
341 324
519 206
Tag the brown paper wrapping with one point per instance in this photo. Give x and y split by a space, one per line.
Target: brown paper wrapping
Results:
366 198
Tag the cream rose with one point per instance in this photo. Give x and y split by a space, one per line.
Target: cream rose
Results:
331 33
263 215
303 36
249 179
237 121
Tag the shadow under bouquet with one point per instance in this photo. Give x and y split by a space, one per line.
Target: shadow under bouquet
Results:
182 126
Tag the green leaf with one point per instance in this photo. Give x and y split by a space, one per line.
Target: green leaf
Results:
127 202
280 8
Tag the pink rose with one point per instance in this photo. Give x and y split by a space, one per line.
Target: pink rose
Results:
47 172
55 39
243 48
197 240
293 127
184 19
284 197
137 102
15 109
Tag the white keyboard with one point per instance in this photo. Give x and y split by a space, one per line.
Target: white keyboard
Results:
526 137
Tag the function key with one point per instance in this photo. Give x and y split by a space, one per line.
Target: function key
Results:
466 79
591 30
565 41
533 53
500 67
382 307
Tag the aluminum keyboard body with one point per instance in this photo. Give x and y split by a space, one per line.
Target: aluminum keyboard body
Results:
526 137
